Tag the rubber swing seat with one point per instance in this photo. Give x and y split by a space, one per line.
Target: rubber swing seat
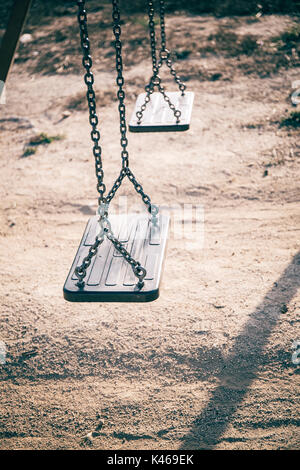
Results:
158 117
109 277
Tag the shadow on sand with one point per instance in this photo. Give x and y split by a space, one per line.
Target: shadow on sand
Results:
241 367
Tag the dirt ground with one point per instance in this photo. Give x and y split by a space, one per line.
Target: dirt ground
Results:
209 364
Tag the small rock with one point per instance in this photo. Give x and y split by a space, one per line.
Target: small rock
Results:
88 438
100 425
215 76
66 114
284 308
26 38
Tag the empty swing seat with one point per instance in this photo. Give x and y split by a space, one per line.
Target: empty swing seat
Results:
109 277
158 117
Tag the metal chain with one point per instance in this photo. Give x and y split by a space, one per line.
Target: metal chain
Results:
123 126
80 271
105 226
164 55
105 230
89 80
162 25
120 82
155 78
152 36
176 112
138 270
116 185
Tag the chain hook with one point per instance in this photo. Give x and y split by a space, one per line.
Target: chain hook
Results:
140 273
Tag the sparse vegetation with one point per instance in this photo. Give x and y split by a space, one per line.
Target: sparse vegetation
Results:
290 121
29 151
221 7
43 139
228 43
39 139
41 11
293 120
277 159
261 58
78 102
279 156
143 20
289 40
182 54
58 51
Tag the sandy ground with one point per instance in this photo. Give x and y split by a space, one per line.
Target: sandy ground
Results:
206 366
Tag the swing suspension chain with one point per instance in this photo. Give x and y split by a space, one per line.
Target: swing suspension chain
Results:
80 271
164 56
125 171
152 36
164 53
155 80
150 87
105 226
91 98
120 83
162 25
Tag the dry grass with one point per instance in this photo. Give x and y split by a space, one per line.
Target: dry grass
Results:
229 44
258 57
78 102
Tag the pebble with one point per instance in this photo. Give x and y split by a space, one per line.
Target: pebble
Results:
26 38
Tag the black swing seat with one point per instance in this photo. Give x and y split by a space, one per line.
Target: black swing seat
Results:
110 277
158 117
